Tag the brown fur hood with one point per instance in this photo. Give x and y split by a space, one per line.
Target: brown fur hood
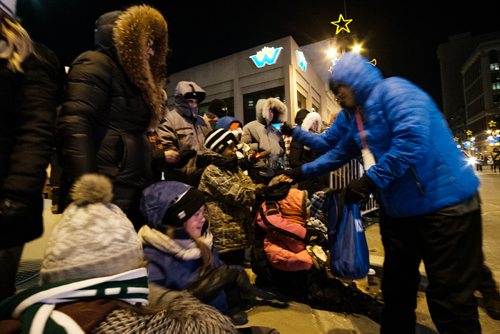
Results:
264 108
131 33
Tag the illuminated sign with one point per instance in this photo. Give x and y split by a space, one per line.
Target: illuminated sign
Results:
301 59
266 56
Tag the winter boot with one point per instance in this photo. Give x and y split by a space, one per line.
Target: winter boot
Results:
489 290
238 317
361 303
491 300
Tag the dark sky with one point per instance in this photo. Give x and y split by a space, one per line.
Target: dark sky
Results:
402 35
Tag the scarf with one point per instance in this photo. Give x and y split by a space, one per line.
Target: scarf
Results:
184 249
35 307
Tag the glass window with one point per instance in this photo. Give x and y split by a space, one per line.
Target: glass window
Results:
301 101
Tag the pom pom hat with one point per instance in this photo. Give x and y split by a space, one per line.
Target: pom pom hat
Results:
94 238
170 203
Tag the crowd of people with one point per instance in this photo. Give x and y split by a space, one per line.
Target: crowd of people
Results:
163 208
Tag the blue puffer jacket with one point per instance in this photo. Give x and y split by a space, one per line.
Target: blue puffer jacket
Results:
419 170
325 141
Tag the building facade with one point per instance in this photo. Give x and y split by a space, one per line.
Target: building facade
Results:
470 86
481 84
277 69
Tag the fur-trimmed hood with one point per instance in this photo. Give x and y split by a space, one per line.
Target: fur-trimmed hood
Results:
310 119
265 107
131 31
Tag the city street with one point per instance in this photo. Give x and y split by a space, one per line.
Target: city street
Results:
297 318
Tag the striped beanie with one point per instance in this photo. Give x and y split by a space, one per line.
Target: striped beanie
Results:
217 140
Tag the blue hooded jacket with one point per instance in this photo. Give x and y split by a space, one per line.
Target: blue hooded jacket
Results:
419 169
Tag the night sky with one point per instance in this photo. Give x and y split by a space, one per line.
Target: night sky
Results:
402 35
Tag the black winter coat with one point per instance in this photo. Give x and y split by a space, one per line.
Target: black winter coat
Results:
102 129
28 103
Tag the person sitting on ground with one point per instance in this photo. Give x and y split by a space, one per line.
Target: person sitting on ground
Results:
179 247
230 194
295 245
93 279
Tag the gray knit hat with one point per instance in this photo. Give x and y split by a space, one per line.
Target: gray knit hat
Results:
94 238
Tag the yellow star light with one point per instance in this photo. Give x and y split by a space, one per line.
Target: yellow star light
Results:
492 124
341 24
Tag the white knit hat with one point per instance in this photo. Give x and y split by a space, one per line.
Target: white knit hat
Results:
94 238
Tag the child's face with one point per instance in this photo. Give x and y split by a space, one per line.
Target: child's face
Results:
194 225
229 151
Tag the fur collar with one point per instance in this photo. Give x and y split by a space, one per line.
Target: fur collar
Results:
310 119
264 113
131 33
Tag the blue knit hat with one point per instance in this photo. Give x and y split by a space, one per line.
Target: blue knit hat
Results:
170 203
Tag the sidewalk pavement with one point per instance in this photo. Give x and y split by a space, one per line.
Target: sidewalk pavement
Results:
298 318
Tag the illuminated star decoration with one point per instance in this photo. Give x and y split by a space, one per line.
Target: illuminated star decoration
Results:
341 24
492 124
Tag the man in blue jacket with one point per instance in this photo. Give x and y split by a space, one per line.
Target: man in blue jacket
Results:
430 208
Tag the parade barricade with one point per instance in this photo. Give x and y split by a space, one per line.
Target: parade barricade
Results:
341 177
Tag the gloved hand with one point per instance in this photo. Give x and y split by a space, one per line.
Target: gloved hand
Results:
14 212
295 174
186 155
214 280
359 190
315 237
320 258
276 192
255 156
286 129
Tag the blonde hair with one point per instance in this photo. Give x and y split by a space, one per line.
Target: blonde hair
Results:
17 43
206 256
205 251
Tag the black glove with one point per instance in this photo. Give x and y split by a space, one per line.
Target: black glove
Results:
11 210
276 192
286 130
16 216
186 155
359 190
214 280
295 174
314 236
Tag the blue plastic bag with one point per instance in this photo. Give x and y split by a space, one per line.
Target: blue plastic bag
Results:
349 256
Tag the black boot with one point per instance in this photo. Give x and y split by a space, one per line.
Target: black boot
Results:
361 303
238 317
489 290
491 300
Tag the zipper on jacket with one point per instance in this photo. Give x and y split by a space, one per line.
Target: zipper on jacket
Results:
417 182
